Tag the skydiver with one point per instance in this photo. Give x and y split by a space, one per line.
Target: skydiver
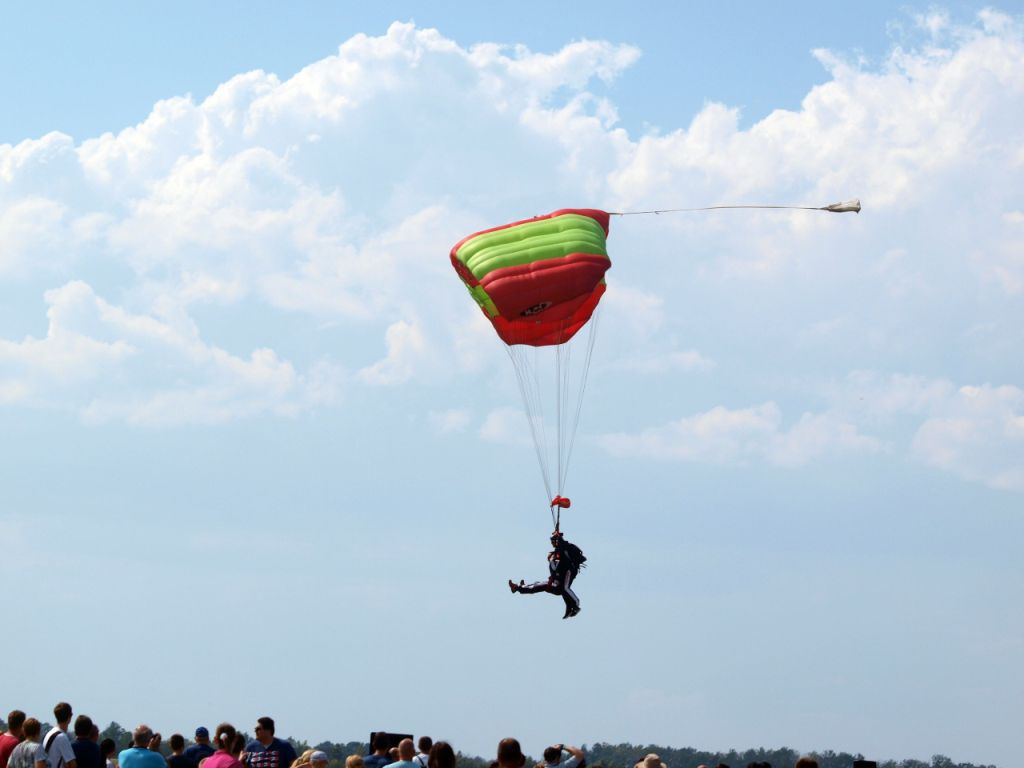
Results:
564 563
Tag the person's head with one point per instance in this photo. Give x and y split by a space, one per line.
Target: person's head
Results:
202 735
354 761
237 745
303 759
224 736
393 754
806 762
380 743
406 749
510 754
556 538
142 735
265 730
83 726
94 734
15 722
441 756
424 744
552 755
177 743
31 728
318 759
107 748
63 714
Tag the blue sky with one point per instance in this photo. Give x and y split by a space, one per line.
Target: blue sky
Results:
263 455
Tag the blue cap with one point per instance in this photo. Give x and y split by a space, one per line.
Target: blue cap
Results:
201 731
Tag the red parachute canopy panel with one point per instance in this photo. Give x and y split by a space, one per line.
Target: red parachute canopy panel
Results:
537 280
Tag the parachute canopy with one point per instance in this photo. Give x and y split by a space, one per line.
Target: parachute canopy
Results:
537 280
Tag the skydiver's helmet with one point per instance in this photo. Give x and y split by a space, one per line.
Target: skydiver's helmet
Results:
556 539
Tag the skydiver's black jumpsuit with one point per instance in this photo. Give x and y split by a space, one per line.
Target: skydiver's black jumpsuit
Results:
562 572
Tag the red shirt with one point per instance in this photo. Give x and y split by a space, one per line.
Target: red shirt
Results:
7 745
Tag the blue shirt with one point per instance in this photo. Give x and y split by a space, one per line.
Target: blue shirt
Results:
137 757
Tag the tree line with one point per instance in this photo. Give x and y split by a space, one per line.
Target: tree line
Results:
603 755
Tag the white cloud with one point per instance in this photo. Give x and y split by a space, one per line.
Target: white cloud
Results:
507 426
275 199
973 432
29 229
451 420
102 360
977 434
725 436
67 355
406 347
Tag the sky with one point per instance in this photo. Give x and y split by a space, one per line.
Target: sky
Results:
263 455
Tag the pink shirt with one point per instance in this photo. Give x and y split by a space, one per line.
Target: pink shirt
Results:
221 759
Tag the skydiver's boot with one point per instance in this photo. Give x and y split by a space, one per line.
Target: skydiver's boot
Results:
571 607
513 586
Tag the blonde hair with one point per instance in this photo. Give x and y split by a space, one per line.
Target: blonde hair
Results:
354 761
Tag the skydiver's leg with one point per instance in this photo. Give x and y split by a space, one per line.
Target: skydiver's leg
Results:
572 603
537 586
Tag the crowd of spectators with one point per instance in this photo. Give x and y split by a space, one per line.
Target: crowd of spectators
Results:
24 746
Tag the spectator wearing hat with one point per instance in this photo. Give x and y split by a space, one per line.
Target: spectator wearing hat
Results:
201 749
650 761
266 750
318 759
